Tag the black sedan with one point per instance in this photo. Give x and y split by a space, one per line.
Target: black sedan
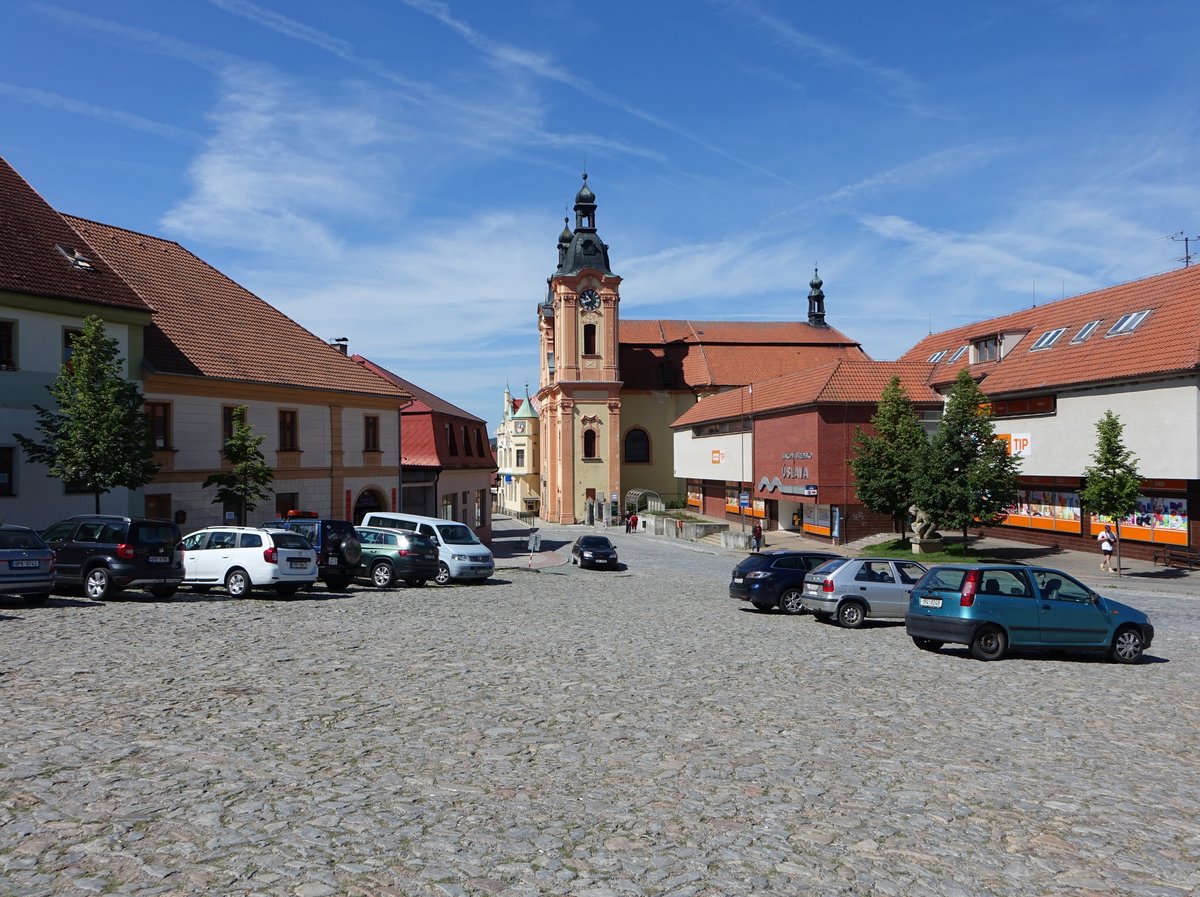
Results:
594 551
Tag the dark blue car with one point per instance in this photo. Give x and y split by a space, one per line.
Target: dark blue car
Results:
775 578
992 608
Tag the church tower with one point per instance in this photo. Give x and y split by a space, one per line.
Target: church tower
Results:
579 399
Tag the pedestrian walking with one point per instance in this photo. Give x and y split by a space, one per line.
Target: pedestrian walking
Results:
1108 541
757 534
633 521
627 523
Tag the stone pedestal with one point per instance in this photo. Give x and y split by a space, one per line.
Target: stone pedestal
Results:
927 546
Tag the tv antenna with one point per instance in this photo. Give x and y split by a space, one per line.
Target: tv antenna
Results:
1187 241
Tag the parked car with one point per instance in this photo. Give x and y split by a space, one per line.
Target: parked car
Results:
594 551
460 553
851 590
242 558
338 550
27 564
775 578
389 555
105 554
992 608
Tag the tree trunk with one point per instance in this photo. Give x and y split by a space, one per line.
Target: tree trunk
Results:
1118 546
96 493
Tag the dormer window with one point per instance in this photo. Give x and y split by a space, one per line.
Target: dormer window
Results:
1048 339
937 356
1127 323
1085 331
985 349
76 258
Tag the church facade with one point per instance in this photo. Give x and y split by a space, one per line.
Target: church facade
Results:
609 390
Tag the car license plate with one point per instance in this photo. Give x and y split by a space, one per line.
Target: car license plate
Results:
298 562
601 560
24 565
811 589
156 560
931 602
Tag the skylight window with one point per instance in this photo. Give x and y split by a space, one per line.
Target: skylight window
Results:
1127 323
937 356
957 355
1085 331
76 258
1048 339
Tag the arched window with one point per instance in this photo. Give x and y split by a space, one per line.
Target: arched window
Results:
637 446
589 444
589 339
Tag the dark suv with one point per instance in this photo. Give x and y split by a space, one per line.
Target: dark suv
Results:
775 578
338 549
105 554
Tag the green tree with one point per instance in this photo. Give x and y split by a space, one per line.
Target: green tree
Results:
1112 484
885 464
97 438
249 477
968 477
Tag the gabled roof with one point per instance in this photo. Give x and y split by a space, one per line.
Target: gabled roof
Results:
842 382
1167 341
206 325
31 261
664 354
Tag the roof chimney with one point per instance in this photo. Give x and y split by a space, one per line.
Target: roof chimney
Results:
341 343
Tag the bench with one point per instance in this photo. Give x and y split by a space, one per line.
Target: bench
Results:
1175 556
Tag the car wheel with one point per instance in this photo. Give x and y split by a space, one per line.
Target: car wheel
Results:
791 602
443 575
286 590
39 598
989 643
337 583
237 583
163 591
927 644
98 584
1127 645
851 614
414 583
383 575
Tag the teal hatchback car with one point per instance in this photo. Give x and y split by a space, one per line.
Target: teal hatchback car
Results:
992 608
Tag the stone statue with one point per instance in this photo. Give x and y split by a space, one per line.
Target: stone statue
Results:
923 526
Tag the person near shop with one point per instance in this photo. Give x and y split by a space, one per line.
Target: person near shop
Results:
1108 541
758 538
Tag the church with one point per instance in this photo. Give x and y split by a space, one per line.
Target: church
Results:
610 390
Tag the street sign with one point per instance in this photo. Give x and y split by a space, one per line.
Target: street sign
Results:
744 500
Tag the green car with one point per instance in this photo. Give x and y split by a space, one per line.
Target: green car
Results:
991 608
389 555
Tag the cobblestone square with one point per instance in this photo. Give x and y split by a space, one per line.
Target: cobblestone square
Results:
592 733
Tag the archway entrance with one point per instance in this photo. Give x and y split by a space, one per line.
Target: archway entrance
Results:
643 500
368 500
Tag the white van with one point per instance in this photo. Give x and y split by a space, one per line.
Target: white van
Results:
460 553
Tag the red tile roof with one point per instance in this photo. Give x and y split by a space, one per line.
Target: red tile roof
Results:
206 325
31 262
719 354
1166 342
842 382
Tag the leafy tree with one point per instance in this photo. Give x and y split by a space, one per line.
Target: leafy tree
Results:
248 479
1112 484
97 438
968 478
885 464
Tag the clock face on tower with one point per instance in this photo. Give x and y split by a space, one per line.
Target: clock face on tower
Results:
589 299
519 426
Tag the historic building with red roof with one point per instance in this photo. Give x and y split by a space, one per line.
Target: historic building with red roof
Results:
199 345
1052 371
610 388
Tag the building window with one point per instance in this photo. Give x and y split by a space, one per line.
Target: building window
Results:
1127 323
450 440
589 339
8 346
937 356
1048 339
227 413
448 507
8 471
986 349
286 501
1085 331
958 353
158 415
637 446
466 440
479 442
68 348
520 457
590 443
481 504
287 430
371 433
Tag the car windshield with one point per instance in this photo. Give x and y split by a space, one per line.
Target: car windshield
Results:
14 539
754 562
594 542
154 534
457 534
829 566
290 540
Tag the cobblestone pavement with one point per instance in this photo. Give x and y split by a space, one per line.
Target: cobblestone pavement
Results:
559 731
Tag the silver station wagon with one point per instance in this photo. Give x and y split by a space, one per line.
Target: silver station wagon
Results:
852 589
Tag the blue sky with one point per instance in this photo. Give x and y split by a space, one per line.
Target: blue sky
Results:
397 171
